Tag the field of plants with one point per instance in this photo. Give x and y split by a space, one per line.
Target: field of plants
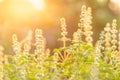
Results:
79 60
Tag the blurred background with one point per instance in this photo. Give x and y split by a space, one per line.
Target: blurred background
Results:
20 16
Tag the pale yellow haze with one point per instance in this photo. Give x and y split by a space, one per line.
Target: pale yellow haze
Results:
38 4
116 2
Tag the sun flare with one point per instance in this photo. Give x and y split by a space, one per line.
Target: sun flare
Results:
38 4
117 1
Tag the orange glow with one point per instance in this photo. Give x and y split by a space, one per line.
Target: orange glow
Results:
22 10
38 4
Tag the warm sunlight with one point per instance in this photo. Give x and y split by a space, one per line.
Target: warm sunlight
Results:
59 39
38 4
22 10
115 5
116 1
1 0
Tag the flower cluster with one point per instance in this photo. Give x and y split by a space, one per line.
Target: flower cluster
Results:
16 44
81 60
39 41
64 32
114 35
27 43
85 27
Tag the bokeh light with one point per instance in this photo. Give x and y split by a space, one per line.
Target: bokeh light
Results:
38 4
115 6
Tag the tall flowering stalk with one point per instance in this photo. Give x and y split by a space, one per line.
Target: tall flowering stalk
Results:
82 23
77 36
87 26
107 30
114 36
84 27
16 45
101 41
27 44
39 41
99 47
64 31
40 49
